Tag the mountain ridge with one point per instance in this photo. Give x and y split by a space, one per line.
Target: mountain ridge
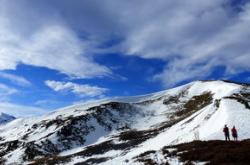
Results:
5 118
118 130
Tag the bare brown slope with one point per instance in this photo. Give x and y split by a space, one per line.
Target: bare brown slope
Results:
213 152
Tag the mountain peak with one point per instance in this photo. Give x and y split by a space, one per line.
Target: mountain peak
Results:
5 118
226 81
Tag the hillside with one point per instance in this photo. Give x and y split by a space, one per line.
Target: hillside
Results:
212 152
120 130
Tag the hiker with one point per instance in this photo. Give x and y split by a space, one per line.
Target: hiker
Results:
226 133
234 133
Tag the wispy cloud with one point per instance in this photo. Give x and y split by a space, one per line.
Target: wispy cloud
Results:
47 42
189 36
78 89
15 79
192 38
6 91
20 110
14 109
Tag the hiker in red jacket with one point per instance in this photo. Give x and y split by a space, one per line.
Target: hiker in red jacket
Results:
226 133
234 133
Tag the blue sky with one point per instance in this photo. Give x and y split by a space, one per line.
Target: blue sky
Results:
55 53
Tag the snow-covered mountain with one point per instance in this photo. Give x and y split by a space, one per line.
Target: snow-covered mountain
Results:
5 118
117 131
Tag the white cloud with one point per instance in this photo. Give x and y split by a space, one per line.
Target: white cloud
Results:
6 91
81 90
6 106
20 110
29 38
44 102
189 35
192 37
15 79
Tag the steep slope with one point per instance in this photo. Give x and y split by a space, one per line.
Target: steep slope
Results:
5 118
121 129
211 152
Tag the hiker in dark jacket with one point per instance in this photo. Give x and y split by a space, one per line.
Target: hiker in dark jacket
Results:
234 133
226 133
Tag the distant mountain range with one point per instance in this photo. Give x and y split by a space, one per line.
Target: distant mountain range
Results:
5 118
129 130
